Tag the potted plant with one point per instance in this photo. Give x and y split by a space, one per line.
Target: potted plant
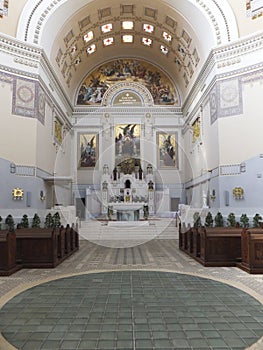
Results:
219 221
36 221
197 219
56 220
256 220
9 221
244 220
49 221
231 220
24 223
0 222
209 220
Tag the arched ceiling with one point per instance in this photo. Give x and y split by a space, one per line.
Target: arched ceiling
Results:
174 35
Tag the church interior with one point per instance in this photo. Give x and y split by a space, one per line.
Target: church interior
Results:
140 148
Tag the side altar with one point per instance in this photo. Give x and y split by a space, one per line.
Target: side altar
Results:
128 192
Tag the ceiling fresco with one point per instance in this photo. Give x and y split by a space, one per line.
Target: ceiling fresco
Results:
104 77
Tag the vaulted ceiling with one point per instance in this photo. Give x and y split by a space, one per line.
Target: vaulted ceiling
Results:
175 35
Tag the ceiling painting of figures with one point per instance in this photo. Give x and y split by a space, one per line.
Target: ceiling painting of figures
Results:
94 86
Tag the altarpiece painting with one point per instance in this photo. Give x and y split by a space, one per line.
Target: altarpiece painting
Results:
127 142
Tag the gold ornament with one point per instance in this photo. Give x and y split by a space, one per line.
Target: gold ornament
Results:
18 193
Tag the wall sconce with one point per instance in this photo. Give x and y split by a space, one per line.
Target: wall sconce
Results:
238 193
243 167
42 196
18 193
213 195
12 168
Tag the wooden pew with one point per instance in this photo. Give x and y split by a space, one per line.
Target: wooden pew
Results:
196 243
67 240
189 240
220 246
37 248
252 251
61 243
8 263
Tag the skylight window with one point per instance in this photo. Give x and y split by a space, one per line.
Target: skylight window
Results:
167 37
148 28
89 36
147 41
108 41
127 25
164 50
127 38
91 49
106 28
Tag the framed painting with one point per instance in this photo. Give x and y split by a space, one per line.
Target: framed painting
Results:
167 150
58 127
87 150
127 141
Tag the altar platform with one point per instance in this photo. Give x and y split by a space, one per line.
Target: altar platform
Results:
135 223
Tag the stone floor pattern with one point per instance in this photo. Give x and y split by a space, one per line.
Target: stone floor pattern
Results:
148 296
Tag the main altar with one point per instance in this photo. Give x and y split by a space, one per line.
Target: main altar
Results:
127 193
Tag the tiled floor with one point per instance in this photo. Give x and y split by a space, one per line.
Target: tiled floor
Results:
149 296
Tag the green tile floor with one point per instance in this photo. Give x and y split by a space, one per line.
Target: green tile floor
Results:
132 310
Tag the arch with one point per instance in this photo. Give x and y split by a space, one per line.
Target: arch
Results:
40 17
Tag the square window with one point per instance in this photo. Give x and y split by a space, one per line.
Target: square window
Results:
148 28
164 49
106 28
73 50
127 25
127 38
108 41
147 41
89 36
167 37
91 49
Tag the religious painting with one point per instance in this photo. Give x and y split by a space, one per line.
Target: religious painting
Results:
95 85
196 130
167 149
88 150
58 131
127 142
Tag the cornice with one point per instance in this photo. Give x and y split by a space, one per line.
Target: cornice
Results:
80 111
30 55
221 58
56 85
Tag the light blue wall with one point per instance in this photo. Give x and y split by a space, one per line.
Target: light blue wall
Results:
29 184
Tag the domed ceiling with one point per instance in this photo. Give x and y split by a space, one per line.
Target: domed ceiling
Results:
79 35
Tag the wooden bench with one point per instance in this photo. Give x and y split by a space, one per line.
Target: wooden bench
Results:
220 246
252 251
8 263
189 240
37 248
45 248
212 246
